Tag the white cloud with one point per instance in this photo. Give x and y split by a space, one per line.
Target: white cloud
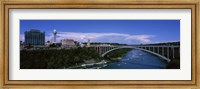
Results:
141 38
99 37
103 37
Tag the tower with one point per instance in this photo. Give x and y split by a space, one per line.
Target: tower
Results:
54 35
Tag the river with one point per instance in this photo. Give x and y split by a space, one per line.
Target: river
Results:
134 59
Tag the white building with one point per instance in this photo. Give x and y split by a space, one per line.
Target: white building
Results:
48 43
68 42
81 44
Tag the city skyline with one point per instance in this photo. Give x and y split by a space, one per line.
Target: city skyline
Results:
113 31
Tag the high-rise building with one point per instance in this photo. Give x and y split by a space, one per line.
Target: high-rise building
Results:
34 37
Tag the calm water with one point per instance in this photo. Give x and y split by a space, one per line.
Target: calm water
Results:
134 59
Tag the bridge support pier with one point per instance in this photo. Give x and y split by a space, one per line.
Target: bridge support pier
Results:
163 51
172 52
153 49
167 52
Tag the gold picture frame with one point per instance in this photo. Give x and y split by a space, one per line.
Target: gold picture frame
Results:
99 84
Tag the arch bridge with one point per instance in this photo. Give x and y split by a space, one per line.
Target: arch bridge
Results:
166 52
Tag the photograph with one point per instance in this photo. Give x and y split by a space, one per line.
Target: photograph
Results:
99 44
107 44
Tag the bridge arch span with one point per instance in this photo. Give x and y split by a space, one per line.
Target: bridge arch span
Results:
102 55
163 57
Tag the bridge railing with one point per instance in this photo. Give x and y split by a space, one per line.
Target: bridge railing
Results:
170 52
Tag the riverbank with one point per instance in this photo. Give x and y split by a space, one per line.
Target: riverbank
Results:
84 65
57 59
173 64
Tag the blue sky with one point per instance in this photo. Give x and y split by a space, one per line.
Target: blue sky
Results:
117 31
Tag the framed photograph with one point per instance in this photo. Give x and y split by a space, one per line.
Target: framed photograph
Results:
111 44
